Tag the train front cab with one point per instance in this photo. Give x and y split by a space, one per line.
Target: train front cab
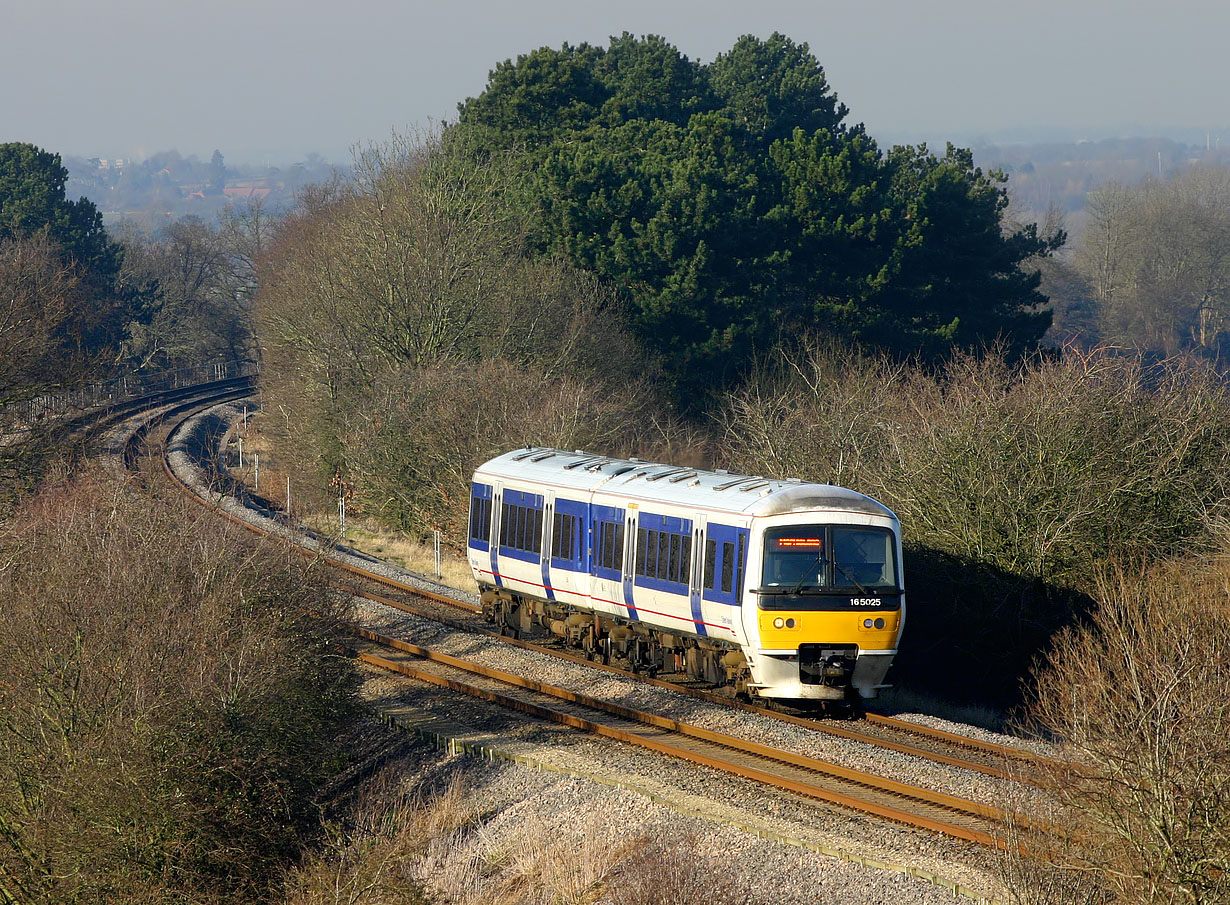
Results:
825 601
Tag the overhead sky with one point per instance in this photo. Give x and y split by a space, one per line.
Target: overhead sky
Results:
267 81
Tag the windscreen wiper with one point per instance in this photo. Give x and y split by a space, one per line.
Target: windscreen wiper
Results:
807 571
862 590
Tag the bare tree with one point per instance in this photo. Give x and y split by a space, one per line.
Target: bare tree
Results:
41 298
1158 258
1141 701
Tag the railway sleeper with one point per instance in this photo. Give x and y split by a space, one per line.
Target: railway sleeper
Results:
637 647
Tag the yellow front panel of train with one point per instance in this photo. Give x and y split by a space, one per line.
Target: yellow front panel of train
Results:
869 629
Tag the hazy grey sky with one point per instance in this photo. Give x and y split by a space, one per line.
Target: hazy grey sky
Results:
272 81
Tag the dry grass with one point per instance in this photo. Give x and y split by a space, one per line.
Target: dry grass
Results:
378 862
402 551
274 468
408 847
364 534
535 864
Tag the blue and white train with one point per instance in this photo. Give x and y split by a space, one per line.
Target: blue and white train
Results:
778 589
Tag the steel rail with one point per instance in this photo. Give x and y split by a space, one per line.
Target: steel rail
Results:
1019 758
187 399
795 773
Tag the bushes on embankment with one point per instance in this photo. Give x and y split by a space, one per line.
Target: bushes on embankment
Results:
170 713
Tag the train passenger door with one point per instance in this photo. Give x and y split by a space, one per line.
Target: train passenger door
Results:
497 523
546 541
699 526
629 565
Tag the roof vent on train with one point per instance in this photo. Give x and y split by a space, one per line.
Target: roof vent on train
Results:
662 474
579 462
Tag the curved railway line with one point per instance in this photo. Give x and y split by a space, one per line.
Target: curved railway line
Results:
809 777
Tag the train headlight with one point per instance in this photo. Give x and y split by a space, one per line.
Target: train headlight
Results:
867 623
790 623
779 622
879 623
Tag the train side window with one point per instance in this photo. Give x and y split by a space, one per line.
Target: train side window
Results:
522 530
664 555
685 559
710 557
536 534
673 569
484 520
606 545
728 566
561 536
619 547
505 521
642 549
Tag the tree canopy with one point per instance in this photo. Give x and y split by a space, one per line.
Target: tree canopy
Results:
66 237
734 206
32 201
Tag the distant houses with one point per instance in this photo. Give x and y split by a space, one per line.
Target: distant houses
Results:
246 191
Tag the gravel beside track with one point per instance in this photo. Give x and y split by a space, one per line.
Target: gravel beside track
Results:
656 790
629 792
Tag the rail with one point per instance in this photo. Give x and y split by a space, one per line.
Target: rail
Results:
74 400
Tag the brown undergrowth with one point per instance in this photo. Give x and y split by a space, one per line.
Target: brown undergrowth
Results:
169 715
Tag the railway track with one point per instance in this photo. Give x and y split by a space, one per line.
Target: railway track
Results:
159 408
102 430
779 769
809 777
988 758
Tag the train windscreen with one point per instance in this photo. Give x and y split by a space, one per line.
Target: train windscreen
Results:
829 557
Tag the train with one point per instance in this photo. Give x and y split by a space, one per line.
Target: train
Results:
776 589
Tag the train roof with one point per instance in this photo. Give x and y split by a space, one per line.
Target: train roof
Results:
675 484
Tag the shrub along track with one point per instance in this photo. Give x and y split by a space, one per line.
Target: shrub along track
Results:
882 797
